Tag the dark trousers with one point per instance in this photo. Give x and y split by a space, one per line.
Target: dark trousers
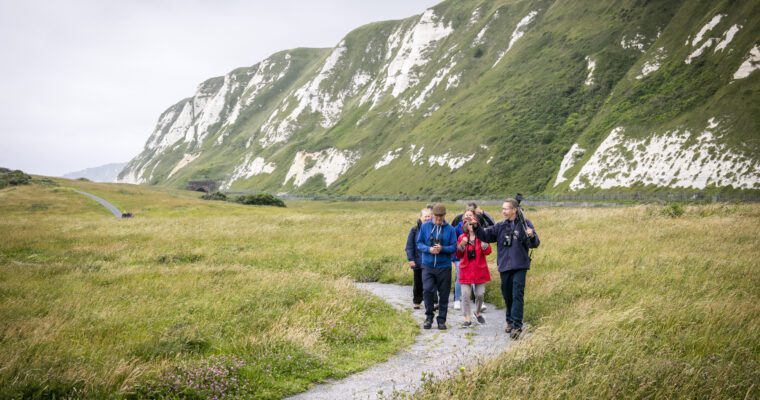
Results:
513 291
436 282
417 288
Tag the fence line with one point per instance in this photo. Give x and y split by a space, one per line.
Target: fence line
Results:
560 199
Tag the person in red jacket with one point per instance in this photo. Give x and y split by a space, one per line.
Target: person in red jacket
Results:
473 268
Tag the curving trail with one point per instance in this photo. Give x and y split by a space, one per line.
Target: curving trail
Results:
434 353
115 211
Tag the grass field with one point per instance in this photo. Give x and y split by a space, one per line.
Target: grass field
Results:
193 298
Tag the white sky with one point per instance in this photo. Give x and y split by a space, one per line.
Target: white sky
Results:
82 83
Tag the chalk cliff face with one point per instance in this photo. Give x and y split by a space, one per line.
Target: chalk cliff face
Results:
481 98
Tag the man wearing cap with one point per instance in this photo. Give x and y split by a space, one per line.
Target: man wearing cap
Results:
437 242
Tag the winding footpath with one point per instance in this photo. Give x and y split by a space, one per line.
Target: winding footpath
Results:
115 211
434 354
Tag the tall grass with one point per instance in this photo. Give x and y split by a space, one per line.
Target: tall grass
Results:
632 303
621 302
92 306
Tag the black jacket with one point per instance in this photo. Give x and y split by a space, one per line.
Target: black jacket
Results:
516 255
411 246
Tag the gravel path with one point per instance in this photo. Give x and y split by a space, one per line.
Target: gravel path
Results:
116 212
434 353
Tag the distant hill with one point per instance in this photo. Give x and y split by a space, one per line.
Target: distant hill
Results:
484 98
103 173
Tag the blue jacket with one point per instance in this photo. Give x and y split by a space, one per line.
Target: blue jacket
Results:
446 235
512 257
411 246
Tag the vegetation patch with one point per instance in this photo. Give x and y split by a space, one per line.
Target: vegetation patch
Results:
261 199
673 210
13 178
216 377
215 196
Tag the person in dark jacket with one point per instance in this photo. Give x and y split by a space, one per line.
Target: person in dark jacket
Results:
437 242
513 242
414 258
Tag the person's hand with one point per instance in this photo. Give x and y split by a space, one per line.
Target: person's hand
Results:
435 249
483 245
465 240
412 264
530 232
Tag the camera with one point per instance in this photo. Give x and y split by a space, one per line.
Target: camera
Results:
434 241
508 240
471 253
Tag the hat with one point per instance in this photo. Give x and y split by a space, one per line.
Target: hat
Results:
439 209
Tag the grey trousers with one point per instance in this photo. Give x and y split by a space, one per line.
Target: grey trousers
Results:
480 292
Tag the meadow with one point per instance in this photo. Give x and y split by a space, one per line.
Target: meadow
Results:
194 298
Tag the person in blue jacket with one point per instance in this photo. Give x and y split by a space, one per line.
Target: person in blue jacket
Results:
414 257
437 241
513 242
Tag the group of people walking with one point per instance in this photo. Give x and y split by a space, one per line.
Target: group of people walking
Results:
434 244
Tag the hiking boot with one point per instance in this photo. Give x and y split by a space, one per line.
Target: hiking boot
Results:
481 319
508 329
416 306
435 307
442 326
483 308
515 334
428 323
466 324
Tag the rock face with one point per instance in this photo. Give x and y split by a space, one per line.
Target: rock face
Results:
103 173
480 98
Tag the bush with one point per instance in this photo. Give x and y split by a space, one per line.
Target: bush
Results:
673 210
261 199
214 196
13 178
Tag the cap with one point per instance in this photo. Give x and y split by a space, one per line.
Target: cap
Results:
439 209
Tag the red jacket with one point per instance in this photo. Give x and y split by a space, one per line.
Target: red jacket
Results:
473 271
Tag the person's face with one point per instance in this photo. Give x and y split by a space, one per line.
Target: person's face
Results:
438 219
425 217
470 216
507 211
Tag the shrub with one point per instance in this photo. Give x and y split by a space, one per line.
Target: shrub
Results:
13 178
261 199
214 196
673 210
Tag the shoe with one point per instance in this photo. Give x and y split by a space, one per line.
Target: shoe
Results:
442 326
508 329
481 319
416 306
515 334
457 305
483 308
466 324
428 323
435 307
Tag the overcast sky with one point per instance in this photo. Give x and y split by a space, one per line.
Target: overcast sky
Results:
82 83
